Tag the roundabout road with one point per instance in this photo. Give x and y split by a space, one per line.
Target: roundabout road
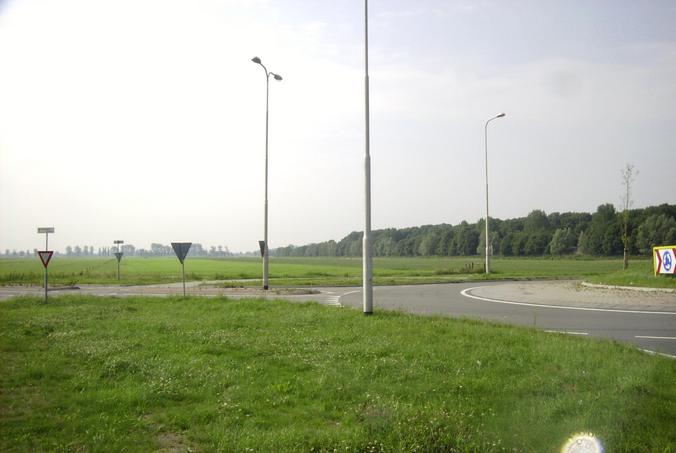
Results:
645 319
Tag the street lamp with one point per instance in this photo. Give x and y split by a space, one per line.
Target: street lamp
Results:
501 115
264 248
367 256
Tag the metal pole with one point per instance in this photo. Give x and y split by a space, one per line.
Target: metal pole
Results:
487 232
265 230
46 271
366 250
488 242
183 271
118 269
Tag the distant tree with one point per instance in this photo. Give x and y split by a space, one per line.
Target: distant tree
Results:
428 245
506 244
563 242
536 221
603 237
466 239
518 243
77 250
445 239
157 249
355 248
384 245
536 243
656 230
69 250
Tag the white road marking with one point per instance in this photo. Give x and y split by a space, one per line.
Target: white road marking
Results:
560 307
333 301
658 353
567 332
655 338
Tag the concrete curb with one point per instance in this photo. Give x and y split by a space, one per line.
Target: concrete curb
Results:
630 288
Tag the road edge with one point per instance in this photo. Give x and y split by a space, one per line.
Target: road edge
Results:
630 288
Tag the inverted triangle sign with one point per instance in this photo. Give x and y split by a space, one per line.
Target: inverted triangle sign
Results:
181 249
45 256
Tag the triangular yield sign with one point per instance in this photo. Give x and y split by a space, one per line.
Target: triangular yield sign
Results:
118 255
181 249
45 256
261 244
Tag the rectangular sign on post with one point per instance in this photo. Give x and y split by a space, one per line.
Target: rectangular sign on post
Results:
45 229
664 260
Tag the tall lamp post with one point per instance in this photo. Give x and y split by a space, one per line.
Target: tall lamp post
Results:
264 248
366 246
488 253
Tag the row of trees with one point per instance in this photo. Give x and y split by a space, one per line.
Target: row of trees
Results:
538 234
129 250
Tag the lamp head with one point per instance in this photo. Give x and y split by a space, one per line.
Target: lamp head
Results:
500 115
256 60
276 76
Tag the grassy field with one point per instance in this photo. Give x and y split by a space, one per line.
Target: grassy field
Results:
325 271
197 374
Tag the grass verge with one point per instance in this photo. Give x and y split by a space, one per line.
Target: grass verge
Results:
321 271
139 374
639 274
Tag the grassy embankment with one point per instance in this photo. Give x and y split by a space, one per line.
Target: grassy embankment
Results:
325 271
138 374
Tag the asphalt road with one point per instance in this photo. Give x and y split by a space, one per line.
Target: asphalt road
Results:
646 319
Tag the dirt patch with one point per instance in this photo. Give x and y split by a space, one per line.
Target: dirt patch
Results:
172 443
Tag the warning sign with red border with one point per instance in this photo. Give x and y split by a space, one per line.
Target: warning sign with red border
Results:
664 259
45 256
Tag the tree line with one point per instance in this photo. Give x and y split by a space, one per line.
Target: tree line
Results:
156 249
537 234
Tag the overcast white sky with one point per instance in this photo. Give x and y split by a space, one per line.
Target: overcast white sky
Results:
144 120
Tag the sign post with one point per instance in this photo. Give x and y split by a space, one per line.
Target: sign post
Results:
664 260
46 254
118 255
181 250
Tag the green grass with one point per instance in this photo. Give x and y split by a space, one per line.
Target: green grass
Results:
139 374
638 274
322 271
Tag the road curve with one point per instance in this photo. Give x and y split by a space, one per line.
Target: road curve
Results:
647 320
